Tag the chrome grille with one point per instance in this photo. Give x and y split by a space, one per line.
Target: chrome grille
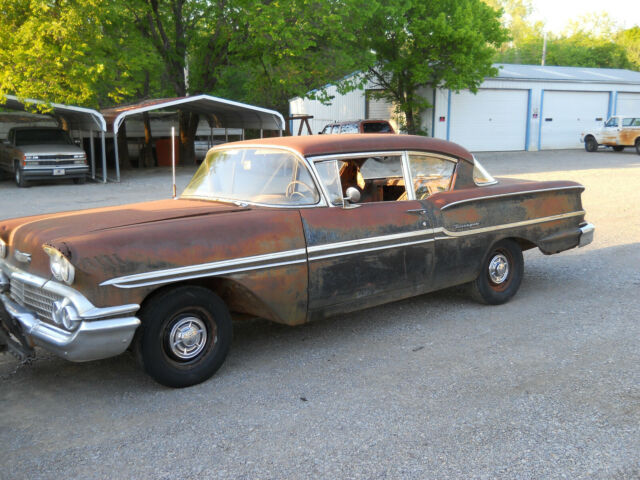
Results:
56 157
35 298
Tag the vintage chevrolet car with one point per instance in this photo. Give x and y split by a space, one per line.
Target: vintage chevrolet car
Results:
288 229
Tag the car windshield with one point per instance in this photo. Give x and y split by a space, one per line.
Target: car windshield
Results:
42 137
253 175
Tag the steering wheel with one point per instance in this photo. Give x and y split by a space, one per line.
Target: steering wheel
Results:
291 191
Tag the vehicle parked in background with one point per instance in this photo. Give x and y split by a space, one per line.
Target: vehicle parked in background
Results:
42 153
358 126
291 229
618 132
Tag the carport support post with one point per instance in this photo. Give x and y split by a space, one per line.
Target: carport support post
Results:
93 154
115 146
104 157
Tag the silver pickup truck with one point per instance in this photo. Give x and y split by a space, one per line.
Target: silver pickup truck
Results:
42 153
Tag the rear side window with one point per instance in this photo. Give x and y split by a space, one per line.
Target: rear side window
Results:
377 127
349 128
430 174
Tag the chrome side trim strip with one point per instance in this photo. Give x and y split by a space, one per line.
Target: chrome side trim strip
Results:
208 269
364 250
365 241
505 226
500 195
298 256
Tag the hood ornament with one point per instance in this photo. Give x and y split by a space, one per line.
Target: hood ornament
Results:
22 256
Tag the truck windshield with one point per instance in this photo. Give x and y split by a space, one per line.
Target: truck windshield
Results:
42 137
612 122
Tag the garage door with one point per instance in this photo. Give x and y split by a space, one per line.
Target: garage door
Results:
379 109
628 104
491 120
565 114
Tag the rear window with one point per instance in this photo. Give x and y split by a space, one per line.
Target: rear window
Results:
349 128
376 127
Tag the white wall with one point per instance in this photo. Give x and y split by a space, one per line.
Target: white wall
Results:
437 122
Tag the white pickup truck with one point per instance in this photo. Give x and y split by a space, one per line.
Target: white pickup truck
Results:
42 153
618 132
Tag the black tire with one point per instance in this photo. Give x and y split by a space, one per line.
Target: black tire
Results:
638 145
590 144
168 314
489 288
80 180
618 148
19 177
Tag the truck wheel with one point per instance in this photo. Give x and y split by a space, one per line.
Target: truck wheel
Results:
184 337
590 144
19 176
80 180
618 148
501 274
638 145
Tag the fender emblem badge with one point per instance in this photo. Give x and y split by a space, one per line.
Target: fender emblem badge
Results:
22 256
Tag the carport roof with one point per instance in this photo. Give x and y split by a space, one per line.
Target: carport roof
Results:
230 114
566 74
79 118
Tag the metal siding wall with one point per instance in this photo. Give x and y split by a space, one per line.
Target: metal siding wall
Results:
628 104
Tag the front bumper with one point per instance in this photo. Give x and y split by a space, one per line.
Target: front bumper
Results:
46 173
99 333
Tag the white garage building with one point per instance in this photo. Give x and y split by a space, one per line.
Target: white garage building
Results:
526 107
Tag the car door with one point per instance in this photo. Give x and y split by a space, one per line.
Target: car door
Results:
368 252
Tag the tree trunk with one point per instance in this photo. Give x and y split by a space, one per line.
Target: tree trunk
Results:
147 159
188 126
410 121
123 150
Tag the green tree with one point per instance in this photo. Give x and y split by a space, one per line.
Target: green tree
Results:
630 41
71 51
435 43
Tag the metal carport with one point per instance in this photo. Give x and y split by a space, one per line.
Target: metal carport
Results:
78 118
228 113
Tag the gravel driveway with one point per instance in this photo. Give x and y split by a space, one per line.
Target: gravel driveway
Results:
546 386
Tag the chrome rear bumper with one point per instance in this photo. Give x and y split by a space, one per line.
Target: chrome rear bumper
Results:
586 234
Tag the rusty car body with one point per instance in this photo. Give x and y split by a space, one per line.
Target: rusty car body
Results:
618 132
288 229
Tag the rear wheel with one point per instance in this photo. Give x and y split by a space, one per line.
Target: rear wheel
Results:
638 145
618 148
590 144
185 336
501 274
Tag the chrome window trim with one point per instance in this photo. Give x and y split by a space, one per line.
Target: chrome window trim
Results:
501 195
322 202
408 177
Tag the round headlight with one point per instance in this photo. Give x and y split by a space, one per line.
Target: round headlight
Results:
3 249
61 268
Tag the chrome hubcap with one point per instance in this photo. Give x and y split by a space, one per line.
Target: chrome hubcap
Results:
187 338
498 269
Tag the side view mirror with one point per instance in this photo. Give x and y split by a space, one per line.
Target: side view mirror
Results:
352 195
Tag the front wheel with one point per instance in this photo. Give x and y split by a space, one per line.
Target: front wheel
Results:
501 274
185 336
590 144
19 177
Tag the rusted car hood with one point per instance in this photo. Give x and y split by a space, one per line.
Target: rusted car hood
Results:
28 234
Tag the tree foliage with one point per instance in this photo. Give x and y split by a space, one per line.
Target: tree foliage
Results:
70 51
436 43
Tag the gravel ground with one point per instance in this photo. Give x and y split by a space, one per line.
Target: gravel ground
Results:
546 386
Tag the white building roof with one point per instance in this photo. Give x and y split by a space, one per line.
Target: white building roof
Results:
566 74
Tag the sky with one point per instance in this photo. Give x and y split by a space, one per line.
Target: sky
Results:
557 13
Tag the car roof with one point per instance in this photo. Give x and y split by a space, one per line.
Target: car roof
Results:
314 145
